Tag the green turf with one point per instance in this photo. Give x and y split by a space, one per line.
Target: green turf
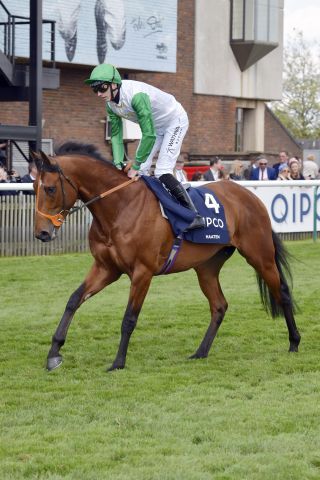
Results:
249 411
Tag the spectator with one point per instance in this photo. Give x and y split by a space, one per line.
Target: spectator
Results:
197 176
215 170
236 171
30 177
3 151
263 172
283 158
5 178
295 169
179 172
252 166
310 168
284 172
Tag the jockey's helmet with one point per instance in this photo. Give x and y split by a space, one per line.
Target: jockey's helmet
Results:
104 73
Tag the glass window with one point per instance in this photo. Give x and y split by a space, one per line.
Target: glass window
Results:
237 19
255 20
239 130
249 20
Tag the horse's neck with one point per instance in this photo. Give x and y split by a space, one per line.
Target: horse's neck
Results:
96 179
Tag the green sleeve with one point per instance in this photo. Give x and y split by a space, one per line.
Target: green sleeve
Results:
116 138
142 106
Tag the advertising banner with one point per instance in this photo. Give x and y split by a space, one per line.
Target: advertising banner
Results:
136 34
291 208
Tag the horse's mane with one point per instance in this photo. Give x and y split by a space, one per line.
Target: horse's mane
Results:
77 148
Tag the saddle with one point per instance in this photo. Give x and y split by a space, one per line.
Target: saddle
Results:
179 217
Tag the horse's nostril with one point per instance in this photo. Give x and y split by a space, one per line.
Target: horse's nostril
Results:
43 236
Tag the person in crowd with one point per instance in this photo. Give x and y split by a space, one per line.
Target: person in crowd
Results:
197 176
295 169
215 170
252 166
163 122
310 168
284 172
263 172
236 171
8 177
179 173
30 177
3 151
283 158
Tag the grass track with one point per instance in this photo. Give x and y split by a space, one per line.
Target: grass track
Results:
249 411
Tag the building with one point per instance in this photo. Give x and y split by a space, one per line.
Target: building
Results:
222 60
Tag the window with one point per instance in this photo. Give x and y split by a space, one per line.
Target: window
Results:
239 130
254 29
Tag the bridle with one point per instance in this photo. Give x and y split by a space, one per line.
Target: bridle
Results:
58 218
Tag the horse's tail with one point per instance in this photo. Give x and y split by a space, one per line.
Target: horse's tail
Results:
281 258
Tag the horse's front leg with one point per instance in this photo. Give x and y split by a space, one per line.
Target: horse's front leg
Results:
98 278
140 284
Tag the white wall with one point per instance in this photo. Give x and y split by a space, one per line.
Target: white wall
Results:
216 68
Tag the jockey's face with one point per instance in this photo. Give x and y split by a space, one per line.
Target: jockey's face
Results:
106 93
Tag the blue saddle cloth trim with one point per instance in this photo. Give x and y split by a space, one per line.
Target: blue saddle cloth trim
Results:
180 217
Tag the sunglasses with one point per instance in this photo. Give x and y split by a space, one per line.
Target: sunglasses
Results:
102 88
264 164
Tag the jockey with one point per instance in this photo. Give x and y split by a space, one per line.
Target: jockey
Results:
163 123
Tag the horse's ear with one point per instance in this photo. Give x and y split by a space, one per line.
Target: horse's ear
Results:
46 160
34 156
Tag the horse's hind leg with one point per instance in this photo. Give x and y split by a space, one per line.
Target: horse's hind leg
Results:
208 276
98 278
269 264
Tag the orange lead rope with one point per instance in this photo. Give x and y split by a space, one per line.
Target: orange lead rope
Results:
59 218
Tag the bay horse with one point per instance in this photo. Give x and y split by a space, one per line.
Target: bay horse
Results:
129 235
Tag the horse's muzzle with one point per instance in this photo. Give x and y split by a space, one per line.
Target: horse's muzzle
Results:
44 236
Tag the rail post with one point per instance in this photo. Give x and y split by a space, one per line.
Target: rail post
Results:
315 213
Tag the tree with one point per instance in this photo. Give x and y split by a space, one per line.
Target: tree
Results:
299 110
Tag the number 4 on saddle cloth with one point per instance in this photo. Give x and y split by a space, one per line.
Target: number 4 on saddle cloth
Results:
180 217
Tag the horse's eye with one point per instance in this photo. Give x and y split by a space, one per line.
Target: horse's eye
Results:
50 190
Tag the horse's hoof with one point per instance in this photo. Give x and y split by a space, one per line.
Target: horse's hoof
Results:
196 356
54 362
115 367
293 348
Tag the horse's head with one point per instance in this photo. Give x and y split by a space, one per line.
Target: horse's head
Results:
55 195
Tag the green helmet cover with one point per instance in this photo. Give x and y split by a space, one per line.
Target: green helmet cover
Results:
104 72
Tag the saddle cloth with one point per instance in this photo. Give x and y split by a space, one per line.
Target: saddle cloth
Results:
179 217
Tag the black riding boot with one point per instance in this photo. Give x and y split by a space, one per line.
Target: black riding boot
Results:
180 193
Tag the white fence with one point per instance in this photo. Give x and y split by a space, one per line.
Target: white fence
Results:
293 206
17 227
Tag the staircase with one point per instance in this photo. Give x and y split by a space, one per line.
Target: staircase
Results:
14 55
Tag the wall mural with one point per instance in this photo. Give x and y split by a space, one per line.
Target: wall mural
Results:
138 34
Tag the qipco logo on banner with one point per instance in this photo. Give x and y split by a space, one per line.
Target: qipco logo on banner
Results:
294 208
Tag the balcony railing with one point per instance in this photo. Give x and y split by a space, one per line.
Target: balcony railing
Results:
15 34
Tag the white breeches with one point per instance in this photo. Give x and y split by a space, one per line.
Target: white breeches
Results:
168 145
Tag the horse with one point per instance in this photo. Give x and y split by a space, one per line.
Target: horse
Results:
129 235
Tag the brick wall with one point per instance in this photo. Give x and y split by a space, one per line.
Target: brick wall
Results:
277 138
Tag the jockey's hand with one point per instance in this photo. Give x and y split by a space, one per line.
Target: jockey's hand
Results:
133 174
128 166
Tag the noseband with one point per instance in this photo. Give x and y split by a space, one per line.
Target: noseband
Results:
58 219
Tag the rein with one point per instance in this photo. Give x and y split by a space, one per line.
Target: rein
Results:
58 219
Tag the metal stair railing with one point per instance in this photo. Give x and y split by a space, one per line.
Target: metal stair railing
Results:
11 24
